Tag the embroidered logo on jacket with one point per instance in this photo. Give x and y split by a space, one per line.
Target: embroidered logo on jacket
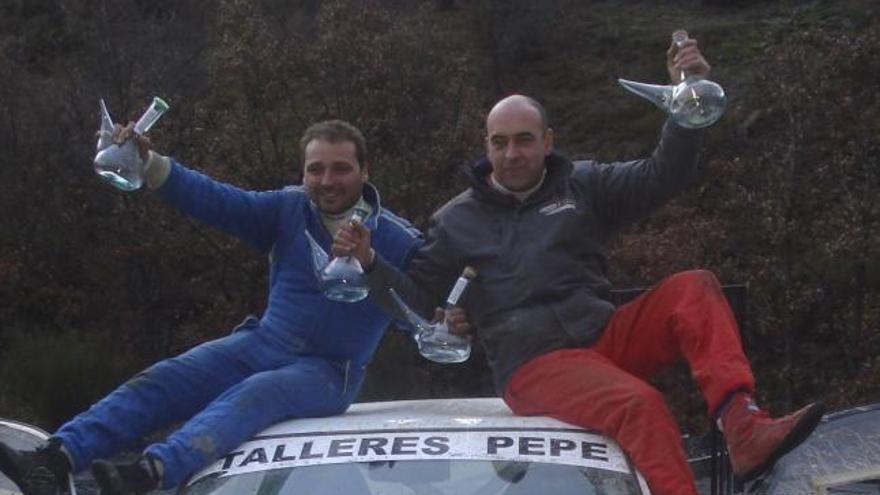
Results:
558 206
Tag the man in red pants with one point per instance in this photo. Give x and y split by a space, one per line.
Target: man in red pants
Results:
534 226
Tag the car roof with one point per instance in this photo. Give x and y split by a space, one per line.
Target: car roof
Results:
432 413
429 429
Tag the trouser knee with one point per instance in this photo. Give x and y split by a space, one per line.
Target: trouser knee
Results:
645 400
644 406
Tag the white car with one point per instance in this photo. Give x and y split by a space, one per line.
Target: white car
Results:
425 447
477 446
430 447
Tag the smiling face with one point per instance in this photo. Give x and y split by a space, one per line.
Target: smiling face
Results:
332 175
517 141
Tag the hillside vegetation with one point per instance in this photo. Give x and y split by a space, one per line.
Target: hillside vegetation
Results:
96 284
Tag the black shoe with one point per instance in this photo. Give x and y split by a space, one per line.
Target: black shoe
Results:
137 478
43 471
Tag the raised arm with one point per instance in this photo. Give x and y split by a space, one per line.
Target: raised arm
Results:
625 191
248 215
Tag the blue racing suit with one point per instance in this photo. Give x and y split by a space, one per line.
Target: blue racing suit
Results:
305 357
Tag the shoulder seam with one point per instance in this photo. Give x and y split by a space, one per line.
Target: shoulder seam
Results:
459 198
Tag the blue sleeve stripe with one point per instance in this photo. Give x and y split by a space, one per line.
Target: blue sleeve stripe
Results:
405 226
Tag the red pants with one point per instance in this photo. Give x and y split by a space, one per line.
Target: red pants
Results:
603 387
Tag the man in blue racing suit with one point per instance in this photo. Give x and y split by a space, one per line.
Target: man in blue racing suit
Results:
304 357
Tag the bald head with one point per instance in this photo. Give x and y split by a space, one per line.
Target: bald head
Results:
517 141
519 104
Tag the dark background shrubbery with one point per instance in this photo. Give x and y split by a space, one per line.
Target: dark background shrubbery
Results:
96 284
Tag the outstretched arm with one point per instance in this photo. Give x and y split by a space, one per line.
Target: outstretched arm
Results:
625 191
628 190
429 275
247 215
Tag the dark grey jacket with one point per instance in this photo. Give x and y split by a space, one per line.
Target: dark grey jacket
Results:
542 270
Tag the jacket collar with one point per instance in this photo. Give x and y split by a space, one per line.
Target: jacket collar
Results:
477 173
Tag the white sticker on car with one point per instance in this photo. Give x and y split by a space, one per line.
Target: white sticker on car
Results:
570 447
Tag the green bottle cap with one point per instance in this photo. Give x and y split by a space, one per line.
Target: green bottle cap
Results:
160 104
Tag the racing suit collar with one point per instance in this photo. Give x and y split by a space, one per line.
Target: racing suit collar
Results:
369 194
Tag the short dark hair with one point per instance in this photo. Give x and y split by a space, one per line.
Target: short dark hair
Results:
334 131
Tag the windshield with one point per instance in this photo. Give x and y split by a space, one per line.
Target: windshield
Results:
426 477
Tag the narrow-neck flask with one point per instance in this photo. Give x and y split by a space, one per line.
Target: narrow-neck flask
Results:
693 103
343 278
434 340
121 165
320 259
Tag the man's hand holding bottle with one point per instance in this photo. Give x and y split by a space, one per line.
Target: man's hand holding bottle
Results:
354 240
